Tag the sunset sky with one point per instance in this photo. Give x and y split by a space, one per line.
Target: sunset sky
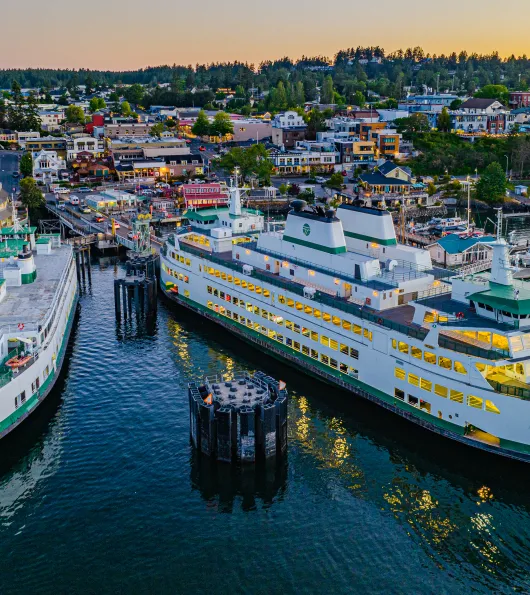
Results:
112 34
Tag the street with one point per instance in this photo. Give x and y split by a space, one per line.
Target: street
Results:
8 164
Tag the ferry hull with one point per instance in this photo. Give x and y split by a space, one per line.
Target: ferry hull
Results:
53 377
354 386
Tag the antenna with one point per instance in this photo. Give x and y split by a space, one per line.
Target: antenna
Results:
499 223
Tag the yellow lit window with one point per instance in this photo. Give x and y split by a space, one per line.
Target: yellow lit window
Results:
305 350
457 396
429 317
475 402
357 329
290 303
367 334
333 344
429 357
187 293
346 325
281 299
299 306
324 359
336 321
306 332
296 345
399 373
244 284
500 342
251 287
223 276
314 354
266 293
209 304
218 274
426 385
414 380
445 363
258 289
481 367
326 317
317 313
308 310
324 340
289 324
229 278
460 368
440 390
272 334
415 352
314 336
403 347
491 407
394 344
344 349
237 281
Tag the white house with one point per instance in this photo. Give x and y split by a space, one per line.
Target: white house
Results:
89 144
51 121
482 115
288 119
48 167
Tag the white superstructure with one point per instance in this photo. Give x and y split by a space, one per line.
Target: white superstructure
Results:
335 294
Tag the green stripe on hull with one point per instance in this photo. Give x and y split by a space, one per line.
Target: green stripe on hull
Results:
338 250
359 236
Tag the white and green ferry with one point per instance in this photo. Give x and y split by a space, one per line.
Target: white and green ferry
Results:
38 295
334 294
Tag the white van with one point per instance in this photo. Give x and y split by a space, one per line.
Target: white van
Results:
74 200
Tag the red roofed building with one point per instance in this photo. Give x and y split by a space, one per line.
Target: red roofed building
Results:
204 195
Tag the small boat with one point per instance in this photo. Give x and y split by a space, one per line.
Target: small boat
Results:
451 224
18 361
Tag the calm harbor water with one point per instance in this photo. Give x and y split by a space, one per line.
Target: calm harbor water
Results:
103 493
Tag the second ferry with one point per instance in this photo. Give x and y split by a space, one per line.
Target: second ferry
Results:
335 294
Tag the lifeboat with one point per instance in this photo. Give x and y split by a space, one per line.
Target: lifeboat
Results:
18 361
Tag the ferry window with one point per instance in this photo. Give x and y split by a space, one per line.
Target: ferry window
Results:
430 358
223 276
507 314
317 313
403 347
344 349
343 368
237 281
235 301
229 278
346 325
314 354
425 405
16 402
244 284
266 293
314 336
279 338
222 309
290 303
289 324
367 334
305 350
333 344
399 394
265 314
484 336
399 373
222 295
250 287
216 292
491 407
414 401
249 323
415 352
481 367
249 307
217 274
336 321
457 396
187 293
308 310
440 390
209 288
500 342
299 306
519 369
426 385
188 262
326 317
229 313
272 334
460 368
209 304
235 316
445 362
281 299
324 359
354 353
429 317
526 340
414 380
258 289
475 402
296 345
324 340
333 363
394 344
256 310
296 328
306 332
516 343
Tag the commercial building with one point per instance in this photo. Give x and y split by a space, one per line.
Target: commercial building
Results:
452 250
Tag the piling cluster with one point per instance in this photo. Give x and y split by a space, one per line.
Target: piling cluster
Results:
138 290
243 419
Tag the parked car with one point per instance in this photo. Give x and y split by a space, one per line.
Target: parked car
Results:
116 225
86 210
99 218
202 148
84 189
320 180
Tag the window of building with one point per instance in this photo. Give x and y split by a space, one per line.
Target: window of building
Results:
456 396
399 373
475 402
491 407
399 394
445 362
414 401
441 391
416 352
414 380
459 368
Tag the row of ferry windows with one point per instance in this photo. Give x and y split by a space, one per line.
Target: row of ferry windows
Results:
293 326
175 274
181 259
442 391
293 344
308 310
427 356
35 386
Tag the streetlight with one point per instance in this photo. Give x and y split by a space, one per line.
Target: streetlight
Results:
506 165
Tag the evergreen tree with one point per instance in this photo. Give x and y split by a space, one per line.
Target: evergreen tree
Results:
299 94
326 94
492 184
30 195
444 121
202 125
32 119
222 125
26 165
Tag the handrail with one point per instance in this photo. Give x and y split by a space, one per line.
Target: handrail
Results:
460 347
513 391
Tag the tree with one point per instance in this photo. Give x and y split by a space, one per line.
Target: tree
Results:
97 103
455 104
293 190
358 99
26 165
74 114
444 121
30 195
222 125
125 108
202 125
326 94
492 184
315 123
252 161
157 129
336 181
412 125
498 92
134 94
115 99
299 94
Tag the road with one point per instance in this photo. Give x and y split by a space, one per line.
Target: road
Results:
8 164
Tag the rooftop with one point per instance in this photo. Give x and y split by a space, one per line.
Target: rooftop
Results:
454 244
